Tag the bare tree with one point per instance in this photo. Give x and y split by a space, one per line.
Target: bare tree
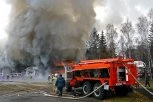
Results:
150 14
143 30
111 35
128 32
122 45
142 27
150 37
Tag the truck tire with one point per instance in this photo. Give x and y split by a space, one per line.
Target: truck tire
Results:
68 87
87 88
99 93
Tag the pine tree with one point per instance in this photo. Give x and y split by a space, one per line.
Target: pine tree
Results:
103 47
92 45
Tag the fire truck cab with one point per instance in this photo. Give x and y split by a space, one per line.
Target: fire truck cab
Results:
90 74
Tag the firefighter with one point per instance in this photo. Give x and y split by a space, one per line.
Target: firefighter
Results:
49 77
54 79
60 83
147 81
7 77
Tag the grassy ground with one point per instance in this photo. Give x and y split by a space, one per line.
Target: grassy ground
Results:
11 88
132 97
151 84
29 87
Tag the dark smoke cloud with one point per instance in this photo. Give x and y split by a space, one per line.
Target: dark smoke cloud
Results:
41 30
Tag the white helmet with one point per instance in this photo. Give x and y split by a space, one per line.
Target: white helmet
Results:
56 75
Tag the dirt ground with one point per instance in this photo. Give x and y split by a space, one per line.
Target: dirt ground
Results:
41 91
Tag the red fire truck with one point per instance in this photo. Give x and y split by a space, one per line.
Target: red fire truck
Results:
90 74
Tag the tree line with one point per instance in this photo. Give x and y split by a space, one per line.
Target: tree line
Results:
132 39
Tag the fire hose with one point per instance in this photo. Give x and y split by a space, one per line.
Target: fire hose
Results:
138 81
76 98
49 95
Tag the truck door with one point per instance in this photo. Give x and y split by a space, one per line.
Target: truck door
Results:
122 74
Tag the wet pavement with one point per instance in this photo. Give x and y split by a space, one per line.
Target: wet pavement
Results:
35 97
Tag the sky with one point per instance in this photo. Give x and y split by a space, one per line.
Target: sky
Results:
117 11
108 11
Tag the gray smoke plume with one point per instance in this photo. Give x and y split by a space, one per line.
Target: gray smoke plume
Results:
41 30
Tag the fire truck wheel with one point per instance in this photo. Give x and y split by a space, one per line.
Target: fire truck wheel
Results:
87 88
68 87
99 93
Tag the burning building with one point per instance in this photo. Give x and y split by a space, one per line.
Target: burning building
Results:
42 31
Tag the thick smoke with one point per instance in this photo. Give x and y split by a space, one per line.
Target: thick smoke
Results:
41 30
